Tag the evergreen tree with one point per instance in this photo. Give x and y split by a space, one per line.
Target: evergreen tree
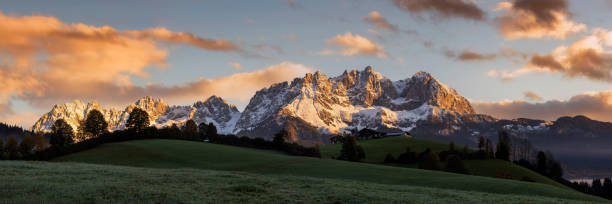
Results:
541 165
81 134
489 150
95 123
455 164
607 187
191 130
451 147
202 130
27 144
61 134
212 130
40 142
556 171
280 139
481 143
175 131
597 187
503 146
429 160
11 147
407 157
351 151
1 147
138 121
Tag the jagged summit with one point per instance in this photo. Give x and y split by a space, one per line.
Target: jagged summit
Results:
355 99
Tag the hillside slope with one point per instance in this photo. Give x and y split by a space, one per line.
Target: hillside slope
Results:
377 149
45 182
184 154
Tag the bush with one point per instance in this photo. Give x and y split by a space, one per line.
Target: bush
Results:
407 157
455 164
429 160
351 151
389 158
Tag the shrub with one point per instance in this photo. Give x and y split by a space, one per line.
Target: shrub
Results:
407 157
429 160
351 151
455 164
389 158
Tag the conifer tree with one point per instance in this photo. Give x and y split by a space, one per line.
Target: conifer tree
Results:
27 144
95 123
11 147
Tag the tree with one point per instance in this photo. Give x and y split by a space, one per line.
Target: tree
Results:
607 187
138 121
95 123
455 164
503 146
212 130
429 160
81 134
408 157
597 187
541 163
40 142
488 150
556 171
61 134
191 130
202 130
280 139
481 143
351 151
1 148
11 147
27 144
451 146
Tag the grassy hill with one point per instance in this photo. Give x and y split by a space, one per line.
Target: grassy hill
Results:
66 182
377 149
175 154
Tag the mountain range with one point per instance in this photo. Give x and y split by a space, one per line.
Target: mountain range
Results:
314 107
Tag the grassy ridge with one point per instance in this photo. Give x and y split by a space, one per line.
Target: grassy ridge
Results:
377 149
47 182
184 154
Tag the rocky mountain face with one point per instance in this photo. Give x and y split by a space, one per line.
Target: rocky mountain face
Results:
214 109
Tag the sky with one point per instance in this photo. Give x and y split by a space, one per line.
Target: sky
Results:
519 58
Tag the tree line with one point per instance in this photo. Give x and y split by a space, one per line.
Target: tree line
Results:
93 131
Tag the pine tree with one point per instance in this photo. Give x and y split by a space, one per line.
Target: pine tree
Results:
191 130
202 130
11 147
61 134
280 138
541 165
95 123
481 143
27 144
489 150
40 142
212 130
351 151
503 146
138 121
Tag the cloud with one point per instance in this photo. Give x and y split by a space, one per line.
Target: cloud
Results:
443 8
536 19
262 47
354 45
237 88
379 21
235 65
44 61
596 105
532 96
290 37
23 119
166 35
589 57
467 55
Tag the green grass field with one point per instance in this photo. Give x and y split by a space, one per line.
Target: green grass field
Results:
176 154
67 182
377 149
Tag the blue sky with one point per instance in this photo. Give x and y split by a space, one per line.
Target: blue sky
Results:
313 23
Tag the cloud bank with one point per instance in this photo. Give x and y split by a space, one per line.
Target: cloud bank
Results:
596 105
442 9
379 21
354 45
536 19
